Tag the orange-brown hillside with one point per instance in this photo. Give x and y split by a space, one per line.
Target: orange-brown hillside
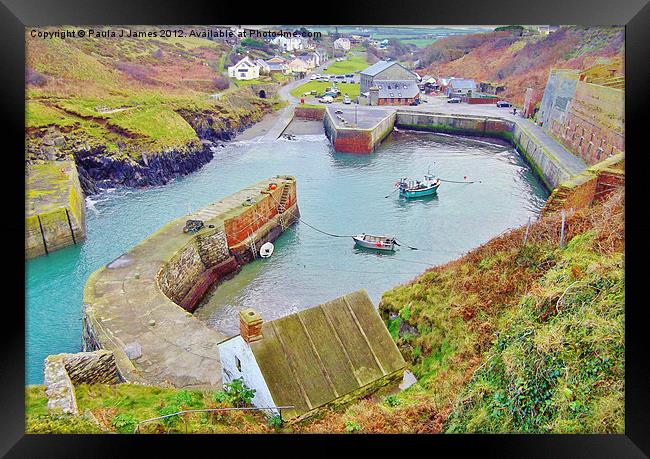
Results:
522 62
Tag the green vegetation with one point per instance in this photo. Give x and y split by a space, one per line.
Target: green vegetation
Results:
132 96
351 89
511 338
119 408
508 338
351 64
559 362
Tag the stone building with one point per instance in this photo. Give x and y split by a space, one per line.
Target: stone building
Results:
391 84
323 356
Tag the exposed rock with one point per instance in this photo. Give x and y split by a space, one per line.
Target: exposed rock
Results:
99 171
133 350
408 380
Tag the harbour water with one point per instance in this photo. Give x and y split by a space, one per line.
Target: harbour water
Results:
342 194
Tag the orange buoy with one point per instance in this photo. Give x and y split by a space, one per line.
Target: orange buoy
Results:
272 186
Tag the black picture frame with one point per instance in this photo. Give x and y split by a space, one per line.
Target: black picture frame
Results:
17 14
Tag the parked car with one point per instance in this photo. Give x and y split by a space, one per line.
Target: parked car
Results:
346 100
326 100
313 77
350 75
454 100
338 112
503 103
340 77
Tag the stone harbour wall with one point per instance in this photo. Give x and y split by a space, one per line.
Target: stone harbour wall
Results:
357 140
63 371
55 214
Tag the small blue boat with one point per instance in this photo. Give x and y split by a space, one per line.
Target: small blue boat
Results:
416 188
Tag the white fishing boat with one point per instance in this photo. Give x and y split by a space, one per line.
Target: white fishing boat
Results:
368 241
266 250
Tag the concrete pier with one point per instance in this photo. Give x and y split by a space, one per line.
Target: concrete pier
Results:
55 214
357 130
139 305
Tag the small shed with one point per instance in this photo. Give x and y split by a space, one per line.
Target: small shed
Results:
323 356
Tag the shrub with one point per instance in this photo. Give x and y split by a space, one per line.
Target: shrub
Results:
221 83
166 410
240 395
220 397
276 421
392 400
124 423
352 426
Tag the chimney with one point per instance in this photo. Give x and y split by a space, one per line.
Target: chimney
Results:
250 325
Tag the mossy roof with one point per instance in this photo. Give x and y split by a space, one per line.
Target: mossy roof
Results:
317 355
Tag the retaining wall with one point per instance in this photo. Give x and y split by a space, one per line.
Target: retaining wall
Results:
588 119
54 208
593 185
309 113
357 140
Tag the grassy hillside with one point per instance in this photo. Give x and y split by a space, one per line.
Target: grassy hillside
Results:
129 95
505 339
524 61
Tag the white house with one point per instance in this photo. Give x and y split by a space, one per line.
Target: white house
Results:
245 69
264 67
342 43
313 358
289 44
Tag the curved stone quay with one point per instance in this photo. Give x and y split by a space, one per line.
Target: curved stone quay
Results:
139 305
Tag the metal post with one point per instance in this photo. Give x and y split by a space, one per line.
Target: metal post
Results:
562 231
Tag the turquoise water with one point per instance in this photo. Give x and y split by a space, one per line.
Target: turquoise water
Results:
339 193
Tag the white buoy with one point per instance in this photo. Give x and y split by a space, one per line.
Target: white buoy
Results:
266 250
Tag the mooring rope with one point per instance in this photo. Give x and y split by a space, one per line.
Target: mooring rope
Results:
458 181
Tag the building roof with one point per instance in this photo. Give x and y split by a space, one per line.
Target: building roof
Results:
461 83
317 355
397 89
277 65
380 66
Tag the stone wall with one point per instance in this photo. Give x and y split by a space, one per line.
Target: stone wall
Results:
356 140
54 208
588 119
63 371
192 267
309 113
593 185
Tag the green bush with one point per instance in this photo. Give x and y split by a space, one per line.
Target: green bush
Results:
240 395
352 426
124 423
276 421
169 409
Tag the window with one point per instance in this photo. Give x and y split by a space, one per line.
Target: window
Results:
238 364
399 100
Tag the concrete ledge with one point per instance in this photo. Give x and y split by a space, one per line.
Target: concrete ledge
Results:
134 306
371 128
54 208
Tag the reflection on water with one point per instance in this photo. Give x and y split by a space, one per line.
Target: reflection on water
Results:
339 193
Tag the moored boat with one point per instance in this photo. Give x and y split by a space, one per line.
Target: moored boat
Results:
416 188
368 241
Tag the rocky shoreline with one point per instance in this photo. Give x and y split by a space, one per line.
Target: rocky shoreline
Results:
98 172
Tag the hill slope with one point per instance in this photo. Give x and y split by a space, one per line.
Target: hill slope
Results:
524 61
122 106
